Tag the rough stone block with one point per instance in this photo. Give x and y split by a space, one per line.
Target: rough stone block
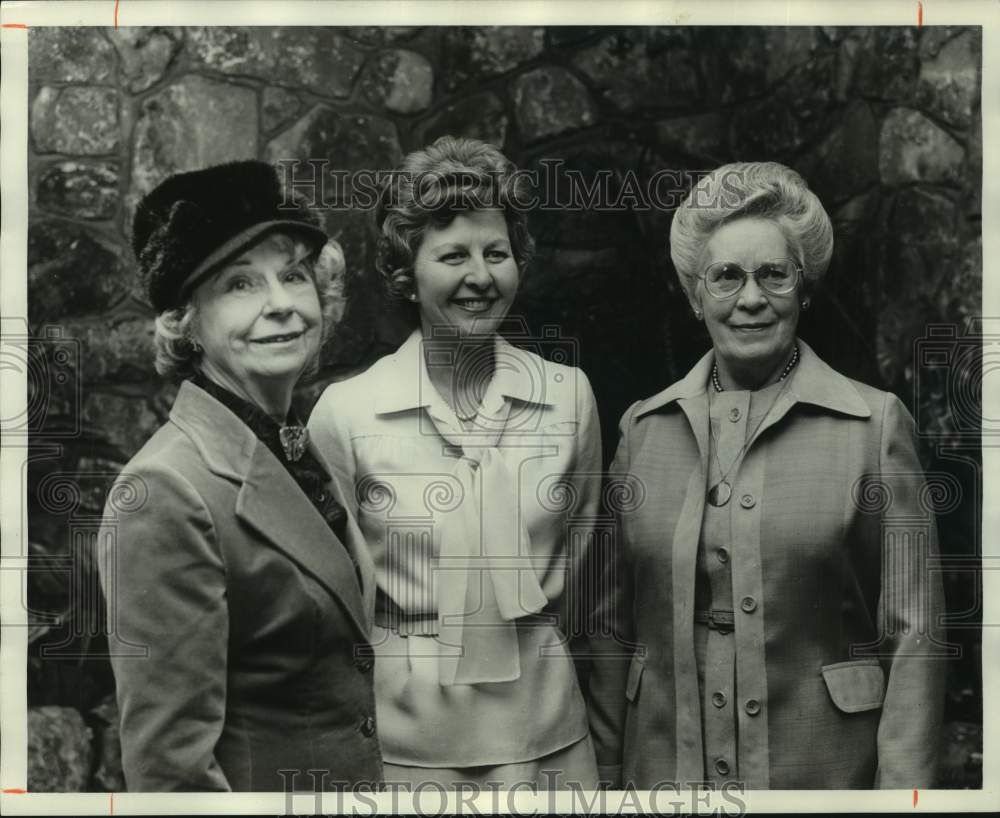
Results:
949 81
69 54
85 190
846 162
914 149
190 124
116 350
480 116
550 101
702 135
381 35
124 422
487 51
319 58
109 775
887 63
348 141
59 752
764 129
278 107
633 68
146 52
75 119
399 80
72 271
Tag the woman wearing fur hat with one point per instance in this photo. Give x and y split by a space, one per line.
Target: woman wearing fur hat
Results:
235 570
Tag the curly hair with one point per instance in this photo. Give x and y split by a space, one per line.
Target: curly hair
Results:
430 188
177 357
766 190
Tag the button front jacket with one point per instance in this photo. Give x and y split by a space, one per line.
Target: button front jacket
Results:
238 628
836 597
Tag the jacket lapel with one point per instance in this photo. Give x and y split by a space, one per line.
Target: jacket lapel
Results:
269 499
272 503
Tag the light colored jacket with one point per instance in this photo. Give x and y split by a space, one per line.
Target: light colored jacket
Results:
835 591
396 448
219 569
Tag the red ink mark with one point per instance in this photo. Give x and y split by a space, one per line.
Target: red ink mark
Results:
915 798
14 25
16 791
920 14
116 14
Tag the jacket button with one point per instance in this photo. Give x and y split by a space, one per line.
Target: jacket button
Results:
734 414
748 501
723 555
719 698
752 707
748 604
722 766
368 726
321 496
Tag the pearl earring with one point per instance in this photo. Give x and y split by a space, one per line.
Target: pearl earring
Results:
698 314
805 303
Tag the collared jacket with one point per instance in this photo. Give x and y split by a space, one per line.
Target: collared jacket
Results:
839 662
397 450
238 626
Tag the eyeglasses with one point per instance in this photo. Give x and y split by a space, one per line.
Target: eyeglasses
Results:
725 279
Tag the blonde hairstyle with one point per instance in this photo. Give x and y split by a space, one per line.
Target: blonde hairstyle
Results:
431 187
177 357
765 190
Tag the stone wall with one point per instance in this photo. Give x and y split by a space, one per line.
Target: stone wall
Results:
884 124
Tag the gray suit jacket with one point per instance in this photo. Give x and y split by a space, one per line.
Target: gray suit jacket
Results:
839 665
217 564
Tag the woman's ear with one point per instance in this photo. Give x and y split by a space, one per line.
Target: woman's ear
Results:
694 299
331 264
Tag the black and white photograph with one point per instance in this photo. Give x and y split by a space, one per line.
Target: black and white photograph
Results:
441 407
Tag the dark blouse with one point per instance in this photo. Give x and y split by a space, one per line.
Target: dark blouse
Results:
307 471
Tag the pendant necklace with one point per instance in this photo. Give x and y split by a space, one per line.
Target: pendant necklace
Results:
719 494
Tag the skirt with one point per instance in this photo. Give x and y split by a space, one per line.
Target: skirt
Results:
572 767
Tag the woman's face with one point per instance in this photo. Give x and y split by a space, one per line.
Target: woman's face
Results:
752 331
258 318
465 275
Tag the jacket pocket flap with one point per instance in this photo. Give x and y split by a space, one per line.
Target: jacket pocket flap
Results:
855 686
635 669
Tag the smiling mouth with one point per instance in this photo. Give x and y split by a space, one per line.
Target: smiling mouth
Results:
474 304
750 327
278 339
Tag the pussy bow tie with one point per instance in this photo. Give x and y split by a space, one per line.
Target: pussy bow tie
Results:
486 579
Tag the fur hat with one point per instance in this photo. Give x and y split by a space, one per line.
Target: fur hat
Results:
193 222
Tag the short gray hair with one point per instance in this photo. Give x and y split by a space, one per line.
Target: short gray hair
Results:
765 190
177 357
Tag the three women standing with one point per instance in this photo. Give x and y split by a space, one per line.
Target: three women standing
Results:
785 641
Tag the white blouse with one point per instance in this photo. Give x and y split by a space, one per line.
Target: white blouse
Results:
477 535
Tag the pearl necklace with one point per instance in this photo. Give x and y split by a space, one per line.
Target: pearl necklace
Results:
784 373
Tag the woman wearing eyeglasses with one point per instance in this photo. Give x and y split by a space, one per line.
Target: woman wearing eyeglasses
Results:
777 573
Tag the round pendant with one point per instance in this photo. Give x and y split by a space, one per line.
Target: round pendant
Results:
720 493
